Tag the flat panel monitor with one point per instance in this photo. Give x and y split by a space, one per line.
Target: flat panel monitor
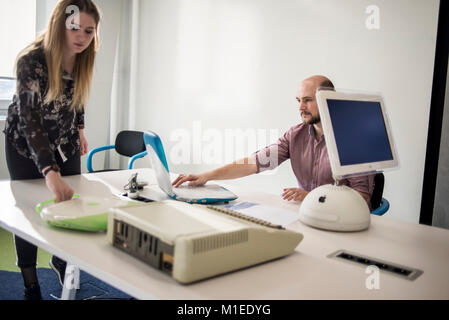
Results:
357 132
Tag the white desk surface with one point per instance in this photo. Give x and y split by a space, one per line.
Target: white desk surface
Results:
306 274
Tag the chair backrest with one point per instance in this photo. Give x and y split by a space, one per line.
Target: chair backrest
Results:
129 143
376 198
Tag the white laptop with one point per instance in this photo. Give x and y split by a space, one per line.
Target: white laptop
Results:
209 193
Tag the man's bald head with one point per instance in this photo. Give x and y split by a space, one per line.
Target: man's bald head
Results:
320 82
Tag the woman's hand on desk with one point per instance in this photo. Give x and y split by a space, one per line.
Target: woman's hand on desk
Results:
196 180
58 187
294 194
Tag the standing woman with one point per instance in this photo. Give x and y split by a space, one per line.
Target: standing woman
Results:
45 125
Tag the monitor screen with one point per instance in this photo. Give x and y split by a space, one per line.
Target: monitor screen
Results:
359 130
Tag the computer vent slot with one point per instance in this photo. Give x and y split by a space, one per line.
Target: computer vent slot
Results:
393 268
219 241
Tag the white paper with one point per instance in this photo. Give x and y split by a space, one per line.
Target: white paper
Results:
271 214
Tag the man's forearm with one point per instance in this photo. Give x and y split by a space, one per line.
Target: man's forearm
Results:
237 169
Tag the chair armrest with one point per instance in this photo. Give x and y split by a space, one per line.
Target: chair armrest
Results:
134 158
384 206
91 154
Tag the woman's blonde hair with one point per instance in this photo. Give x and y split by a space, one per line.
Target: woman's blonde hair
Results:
52 41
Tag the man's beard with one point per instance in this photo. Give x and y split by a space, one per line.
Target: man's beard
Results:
313 119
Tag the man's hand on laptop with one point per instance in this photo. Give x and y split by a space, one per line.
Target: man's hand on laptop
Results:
294 194
196 180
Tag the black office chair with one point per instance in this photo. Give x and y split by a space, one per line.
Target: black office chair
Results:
379 204
127 143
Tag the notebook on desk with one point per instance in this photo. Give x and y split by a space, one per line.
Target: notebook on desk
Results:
275 215
209 193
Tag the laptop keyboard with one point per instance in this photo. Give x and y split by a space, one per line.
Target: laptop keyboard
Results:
207 191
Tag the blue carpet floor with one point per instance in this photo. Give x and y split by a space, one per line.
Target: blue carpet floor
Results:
11 286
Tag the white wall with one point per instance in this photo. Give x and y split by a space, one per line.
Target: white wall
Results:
98 111
235 64
44 9
15 39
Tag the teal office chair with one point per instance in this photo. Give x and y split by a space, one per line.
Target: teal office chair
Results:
127 143
380 204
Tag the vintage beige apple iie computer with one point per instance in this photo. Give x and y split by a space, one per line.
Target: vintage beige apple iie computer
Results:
195 242
359 142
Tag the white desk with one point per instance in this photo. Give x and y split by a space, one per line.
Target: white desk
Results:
305 274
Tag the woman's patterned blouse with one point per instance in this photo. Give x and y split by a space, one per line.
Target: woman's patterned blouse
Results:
37 130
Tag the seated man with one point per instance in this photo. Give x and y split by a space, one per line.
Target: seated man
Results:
303 144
